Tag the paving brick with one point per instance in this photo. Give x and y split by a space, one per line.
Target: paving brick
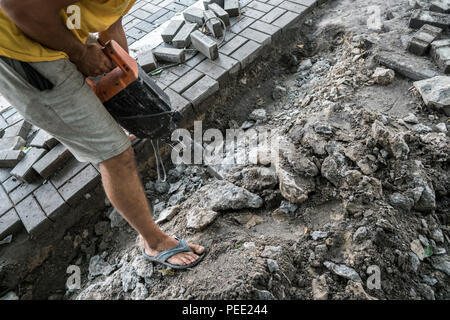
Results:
169 54
43 140
220 12
212 70
269 29
232 7
3 123
213 24
201 90
252 34
20 129
252 13
4 174
180 104
274 2
421 41
10 158
207 3
183 37
145 26
136 33
242 24
194 15
5 203
8 112
163 18
186 81
204 44
174 6
272 15
420 17
12 143
76 187
150 7
158 14
442 6
171 30
11 183
50 201
229 64
180 69
196 59
247 53
308 3
24 190
9 223
440 52
72 167
260 6
147 61
294 7
167 78
286 20
187 3
32 216
15 118
24 169
52 161
232 45
141 14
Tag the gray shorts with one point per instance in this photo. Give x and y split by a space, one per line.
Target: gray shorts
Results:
70 112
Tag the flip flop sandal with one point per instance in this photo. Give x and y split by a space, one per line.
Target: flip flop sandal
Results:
163 256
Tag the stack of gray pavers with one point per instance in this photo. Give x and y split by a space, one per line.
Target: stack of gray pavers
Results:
180 34
431 24
39 178
259 25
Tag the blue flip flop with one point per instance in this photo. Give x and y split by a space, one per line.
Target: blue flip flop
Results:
163 256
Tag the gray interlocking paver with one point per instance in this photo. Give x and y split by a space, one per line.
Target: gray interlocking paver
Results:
252 13
180 104
233 45
50 201
252 34
43 140
212 70
232 7
240 25
272 15
80 184
10 158
25 189
201 90
5 203
68 172
24 169
204 44
267 28
32 216
231 65
171 30
260 6
286 20
11 183
9 223
52 161
20 129
294 7
247 53
186 81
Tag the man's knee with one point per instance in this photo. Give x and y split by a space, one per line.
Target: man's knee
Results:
125 160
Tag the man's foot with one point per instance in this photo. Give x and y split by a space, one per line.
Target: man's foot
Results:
181 259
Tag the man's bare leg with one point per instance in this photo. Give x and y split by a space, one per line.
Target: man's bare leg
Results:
126 193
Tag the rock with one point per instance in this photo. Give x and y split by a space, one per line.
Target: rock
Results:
10 296
437 235
272 265
140 292
272 252
333 168
305 65
161 187
258 115
263 295
320 288
421 128
302 165
253 221
401 201
101 228
223 195
441 263
414 261
441 127
129 277
248 245
287 207
168 213
360 234
435 92
417 248
426 291
199 218
143 267
429 280
116 219
343 271
98 267
411 118
316 235
259 178
389 140
278 92
323 128
383 76
159 207
294 188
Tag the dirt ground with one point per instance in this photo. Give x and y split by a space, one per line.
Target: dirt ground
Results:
362 184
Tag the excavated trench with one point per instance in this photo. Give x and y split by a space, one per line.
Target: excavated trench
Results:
318 93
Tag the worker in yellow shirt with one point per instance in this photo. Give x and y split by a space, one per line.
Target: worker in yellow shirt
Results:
44 60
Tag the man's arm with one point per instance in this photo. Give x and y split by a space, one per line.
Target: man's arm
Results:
115 32
40 20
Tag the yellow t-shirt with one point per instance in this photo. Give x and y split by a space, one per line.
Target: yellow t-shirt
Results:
95 16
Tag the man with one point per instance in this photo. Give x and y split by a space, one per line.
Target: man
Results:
43 65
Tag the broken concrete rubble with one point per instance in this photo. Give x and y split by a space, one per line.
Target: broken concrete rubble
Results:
440 52
435 92
420 43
